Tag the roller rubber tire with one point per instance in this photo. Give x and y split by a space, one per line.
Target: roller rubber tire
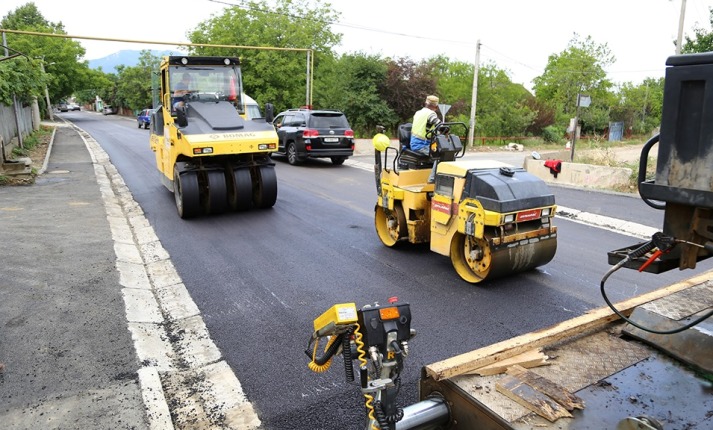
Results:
216 199
186 192
265 187
240 189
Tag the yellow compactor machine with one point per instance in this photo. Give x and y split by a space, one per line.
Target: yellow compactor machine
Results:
490 218
210 155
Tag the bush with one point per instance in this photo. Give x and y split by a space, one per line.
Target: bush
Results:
552 134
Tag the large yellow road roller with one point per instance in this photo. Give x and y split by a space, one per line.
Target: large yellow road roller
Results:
211 154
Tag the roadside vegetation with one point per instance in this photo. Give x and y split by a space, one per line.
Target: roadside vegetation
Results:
371 89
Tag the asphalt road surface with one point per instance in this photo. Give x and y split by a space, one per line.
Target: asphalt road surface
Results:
260 278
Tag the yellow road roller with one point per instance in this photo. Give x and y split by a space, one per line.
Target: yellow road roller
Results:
490 218
212 154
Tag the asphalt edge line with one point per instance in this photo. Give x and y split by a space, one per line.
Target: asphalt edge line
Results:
224 396
607 223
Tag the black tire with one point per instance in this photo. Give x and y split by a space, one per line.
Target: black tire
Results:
338 161
292 156
240 189
216 198
139 124
146 125
264 187
186 192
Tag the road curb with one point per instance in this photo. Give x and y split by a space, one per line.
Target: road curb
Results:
169 334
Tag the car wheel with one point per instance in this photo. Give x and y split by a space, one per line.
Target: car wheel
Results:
292 156
338 161
146 125
139 124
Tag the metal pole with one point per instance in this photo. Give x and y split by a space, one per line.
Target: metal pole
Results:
47 93
679 40
425 415
471 129
307 98
574 130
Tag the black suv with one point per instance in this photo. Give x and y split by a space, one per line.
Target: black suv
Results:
306 133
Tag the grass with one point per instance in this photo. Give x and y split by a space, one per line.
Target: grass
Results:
31 141
34 147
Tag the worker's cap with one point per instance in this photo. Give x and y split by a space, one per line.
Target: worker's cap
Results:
432 101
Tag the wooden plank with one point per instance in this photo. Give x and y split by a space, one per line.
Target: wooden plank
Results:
472 360
532 358
545 386
537 402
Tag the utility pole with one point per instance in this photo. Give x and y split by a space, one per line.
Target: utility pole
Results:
471 129
680 27
574 130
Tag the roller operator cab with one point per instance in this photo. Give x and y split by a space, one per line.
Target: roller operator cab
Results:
211 150
490 218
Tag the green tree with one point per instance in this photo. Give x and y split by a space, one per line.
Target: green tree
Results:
454 86
352 84
406 86
640 105
21 77
579 69
502 109
109 91
702 40
61 56
276 76
95 82
134 83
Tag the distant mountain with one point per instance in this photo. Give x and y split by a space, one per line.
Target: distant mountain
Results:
127 58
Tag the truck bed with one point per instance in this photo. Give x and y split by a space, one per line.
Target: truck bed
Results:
614 369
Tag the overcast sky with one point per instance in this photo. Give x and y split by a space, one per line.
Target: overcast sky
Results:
517 35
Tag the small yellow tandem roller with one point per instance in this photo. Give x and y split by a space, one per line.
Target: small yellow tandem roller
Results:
490 218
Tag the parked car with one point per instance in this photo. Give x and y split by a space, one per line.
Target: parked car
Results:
63 107
306 133
108 110
144 118
74 106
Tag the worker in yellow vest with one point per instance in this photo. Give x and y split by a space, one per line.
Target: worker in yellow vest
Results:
423 121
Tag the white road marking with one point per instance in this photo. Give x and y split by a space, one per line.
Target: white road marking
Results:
607 223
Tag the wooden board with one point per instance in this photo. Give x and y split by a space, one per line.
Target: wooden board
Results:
541 404
532 358
547 387
472 360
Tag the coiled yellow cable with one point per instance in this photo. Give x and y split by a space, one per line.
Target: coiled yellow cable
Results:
362 361
316 368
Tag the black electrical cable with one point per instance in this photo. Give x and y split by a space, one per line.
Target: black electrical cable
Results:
347 354
329 353
616 311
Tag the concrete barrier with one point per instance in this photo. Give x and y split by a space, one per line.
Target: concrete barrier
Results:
581 175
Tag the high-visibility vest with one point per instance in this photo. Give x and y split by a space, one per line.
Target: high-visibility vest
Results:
420 122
